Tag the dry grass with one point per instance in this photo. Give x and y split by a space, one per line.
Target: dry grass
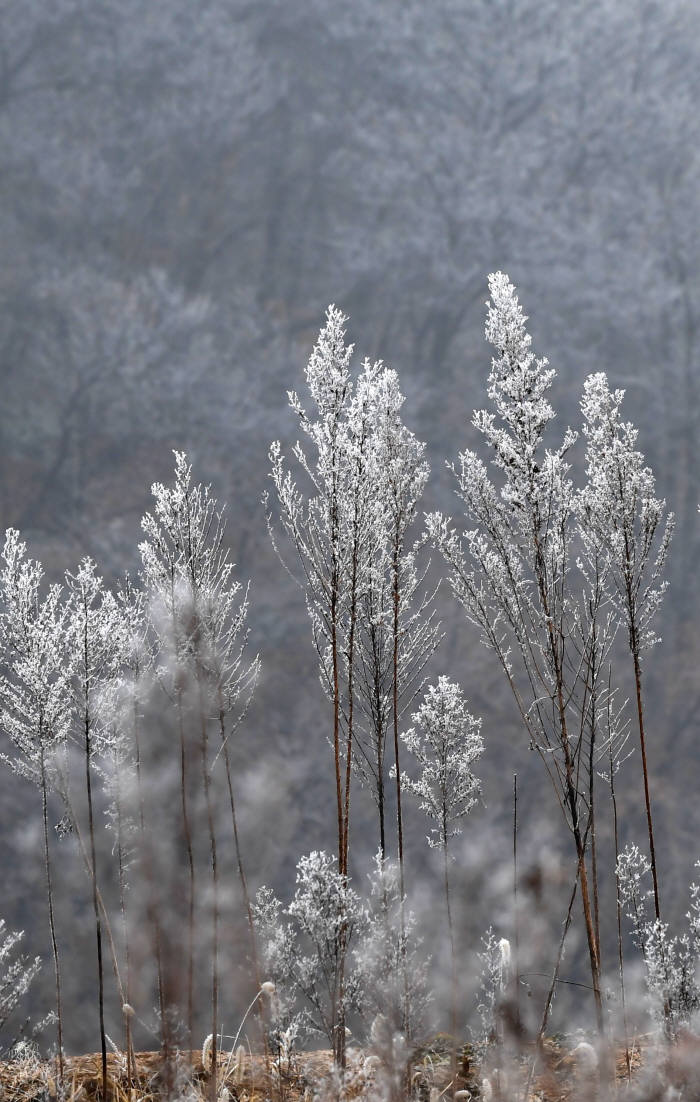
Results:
246 1078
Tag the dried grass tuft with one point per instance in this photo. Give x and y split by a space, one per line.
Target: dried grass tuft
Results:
151 1081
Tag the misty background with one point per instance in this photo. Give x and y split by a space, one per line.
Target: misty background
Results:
186 186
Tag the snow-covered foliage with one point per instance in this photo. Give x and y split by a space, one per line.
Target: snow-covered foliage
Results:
445 740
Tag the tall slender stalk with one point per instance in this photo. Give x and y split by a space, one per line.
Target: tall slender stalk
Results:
243 878
338 1009
539 1048
184 809
152 910
126 1015
87 731
395 570
453 962
249 677
52 923
445 741
516 917
35 698
618 905
512 567
187 833
645 770
593 731
395 709
570 780
626 522
206 777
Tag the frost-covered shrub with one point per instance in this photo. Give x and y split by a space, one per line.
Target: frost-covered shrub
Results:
16 972
445 740
392 974
495 974
305 949
671 962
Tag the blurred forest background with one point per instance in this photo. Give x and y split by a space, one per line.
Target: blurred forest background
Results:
186 186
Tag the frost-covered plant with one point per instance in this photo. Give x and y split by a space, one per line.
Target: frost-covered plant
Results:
334 524
672 980
445 741
632 870
337 525
16 972
352 1081
198 614
495 974
512 567
672 963
391 971
186 565
96 642
388 1061
35 696
622 511
316 522
119 766
394 646
305 949
622 515
398 631
286 1019
364 474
